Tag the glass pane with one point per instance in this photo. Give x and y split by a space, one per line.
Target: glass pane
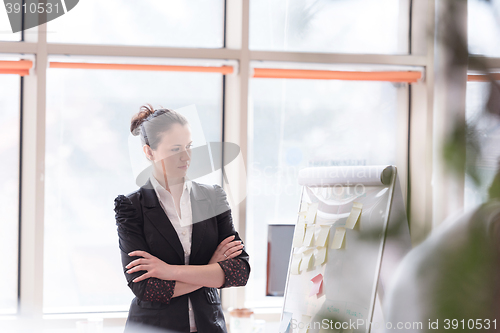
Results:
88 165
6 30
343 26
194 23
9 189
488 127
300 123
484 27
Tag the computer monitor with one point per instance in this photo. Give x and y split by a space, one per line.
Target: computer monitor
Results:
279 247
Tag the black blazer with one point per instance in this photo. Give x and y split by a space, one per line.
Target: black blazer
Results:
143 225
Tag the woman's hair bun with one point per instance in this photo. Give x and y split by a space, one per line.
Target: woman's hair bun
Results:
138 118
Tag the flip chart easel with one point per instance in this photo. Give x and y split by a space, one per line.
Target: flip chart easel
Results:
351 232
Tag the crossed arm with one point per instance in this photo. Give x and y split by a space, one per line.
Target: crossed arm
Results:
187 277
161 288
151 279
162 281
234 273
182 288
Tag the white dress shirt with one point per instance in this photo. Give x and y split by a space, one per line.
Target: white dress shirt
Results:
183 225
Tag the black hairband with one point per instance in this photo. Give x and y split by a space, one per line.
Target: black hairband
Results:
144 132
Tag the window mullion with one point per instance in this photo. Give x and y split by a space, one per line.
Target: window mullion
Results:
32 174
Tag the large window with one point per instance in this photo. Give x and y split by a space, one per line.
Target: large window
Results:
488 136
6 29
9 189
484 27
194 23
483 39
88 165
294 124
344 26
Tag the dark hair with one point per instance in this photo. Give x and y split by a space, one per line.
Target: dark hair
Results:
148 123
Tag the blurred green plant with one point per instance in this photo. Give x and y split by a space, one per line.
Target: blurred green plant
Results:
465 286
461 150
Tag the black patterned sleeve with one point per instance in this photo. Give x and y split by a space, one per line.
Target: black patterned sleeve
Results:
237 269
236 272
159 290
131 238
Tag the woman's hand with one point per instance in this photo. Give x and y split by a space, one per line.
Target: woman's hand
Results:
154 267
226 250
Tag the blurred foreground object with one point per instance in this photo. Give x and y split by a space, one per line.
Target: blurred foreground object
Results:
451 281
241 320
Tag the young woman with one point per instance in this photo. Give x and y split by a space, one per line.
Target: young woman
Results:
176 236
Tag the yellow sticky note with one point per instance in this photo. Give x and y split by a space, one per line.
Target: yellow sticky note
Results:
323 235
308 238
311 213
298 235
338 238
305 321
354 215
320 256
303 211
296 260
307 260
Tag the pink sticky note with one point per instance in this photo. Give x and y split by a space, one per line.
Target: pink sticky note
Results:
317 282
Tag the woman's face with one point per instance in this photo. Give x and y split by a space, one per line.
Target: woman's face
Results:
175 150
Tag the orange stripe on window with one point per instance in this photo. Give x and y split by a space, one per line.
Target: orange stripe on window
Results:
135 67
482 77
410 76
19 67
21 72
